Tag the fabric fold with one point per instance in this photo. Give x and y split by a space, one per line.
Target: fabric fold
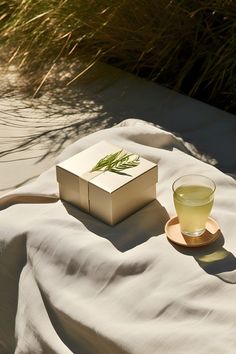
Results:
72 284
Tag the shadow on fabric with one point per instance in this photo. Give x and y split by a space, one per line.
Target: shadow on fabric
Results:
214 259
131 232
12 260
78 337
12 199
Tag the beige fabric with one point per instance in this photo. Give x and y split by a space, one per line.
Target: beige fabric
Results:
71 284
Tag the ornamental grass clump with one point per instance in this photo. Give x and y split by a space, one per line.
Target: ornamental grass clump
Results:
185 45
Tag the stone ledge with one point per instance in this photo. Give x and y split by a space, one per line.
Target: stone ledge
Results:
104 97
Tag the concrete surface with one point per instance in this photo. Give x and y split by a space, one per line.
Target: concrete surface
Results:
34 131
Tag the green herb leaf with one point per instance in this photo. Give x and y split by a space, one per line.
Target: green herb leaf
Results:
117 162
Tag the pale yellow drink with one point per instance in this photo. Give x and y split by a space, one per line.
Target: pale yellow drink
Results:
193 205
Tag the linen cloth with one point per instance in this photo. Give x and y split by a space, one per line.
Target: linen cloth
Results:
71 284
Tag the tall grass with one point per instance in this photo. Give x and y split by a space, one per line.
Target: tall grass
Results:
187 45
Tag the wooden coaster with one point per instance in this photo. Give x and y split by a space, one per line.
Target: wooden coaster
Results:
172 230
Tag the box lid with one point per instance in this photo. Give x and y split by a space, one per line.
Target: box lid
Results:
82 163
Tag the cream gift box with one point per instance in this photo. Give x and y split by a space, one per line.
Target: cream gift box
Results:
107 195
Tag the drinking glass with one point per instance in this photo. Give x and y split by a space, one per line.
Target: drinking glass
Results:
193 200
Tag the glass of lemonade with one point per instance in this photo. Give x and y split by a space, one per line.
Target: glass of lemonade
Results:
193 199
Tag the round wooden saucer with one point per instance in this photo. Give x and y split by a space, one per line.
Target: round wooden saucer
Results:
172 230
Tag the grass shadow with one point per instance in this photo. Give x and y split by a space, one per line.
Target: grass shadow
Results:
60 115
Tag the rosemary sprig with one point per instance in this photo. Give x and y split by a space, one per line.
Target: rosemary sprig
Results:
117 162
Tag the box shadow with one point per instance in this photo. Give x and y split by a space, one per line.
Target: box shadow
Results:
134 230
